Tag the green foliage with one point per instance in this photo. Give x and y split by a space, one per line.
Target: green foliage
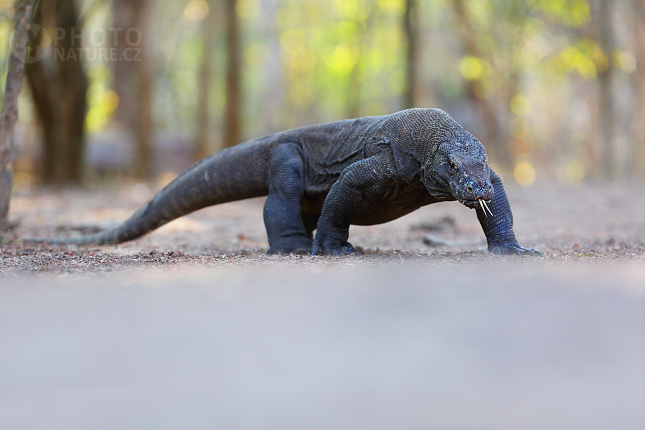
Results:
309 61
335 54
573 13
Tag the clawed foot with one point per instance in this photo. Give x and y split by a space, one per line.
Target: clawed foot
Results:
297 251
332 247
303 246
514 249
331 241
299 245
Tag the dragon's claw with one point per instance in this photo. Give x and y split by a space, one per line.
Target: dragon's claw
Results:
514 249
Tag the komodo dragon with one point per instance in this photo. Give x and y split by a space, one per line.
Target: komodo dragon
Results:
326 177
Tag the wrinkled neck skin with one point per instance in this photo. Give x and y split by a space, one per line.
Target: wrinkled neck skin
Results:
448 160
437 187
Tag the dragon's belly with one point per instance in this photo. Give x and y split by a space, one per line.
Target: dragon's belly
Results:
379 211
399 201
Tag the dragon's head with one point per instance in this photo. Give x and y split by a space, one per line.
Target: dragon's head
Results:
460 169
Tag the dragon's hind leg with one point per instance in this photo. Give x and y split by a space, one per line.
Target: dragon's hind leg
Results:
282 210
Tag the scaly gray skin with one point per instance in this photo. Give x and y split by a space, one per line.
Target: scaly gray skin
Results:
326 177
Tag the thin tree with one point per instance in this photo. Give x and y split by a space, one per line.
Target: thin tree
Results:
233 82
205 78
638 141
9 113
493 136
354 87
58 88
605 36
133 80
273 94
410 25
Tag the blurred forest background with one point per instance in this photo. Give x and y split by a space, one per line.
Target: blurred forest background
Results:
555 89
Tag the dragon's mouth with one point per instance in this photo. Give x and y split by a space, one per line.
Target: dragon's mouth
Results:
474 204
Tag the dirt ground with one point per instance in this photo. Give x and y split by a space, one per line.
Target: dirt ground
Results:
194 327
594 222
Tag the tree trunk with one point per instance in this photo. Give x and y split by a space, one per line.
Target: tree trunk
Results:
410 24
273 93
493 136
202 148
9 113
233 88
143 168
354 84
605 37
133 80
638 140
59 87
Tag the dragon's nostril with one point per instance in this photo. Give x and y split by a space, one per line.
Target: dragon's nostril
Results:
470 188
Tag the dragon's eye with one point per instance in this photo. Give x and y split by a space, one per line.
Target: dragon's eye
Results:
453 165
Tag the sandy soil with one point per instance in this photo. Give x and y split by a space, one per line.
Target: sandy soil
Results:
193 326
590 223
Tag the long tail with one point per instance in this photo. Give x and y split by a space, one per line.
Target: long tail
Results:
235 173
